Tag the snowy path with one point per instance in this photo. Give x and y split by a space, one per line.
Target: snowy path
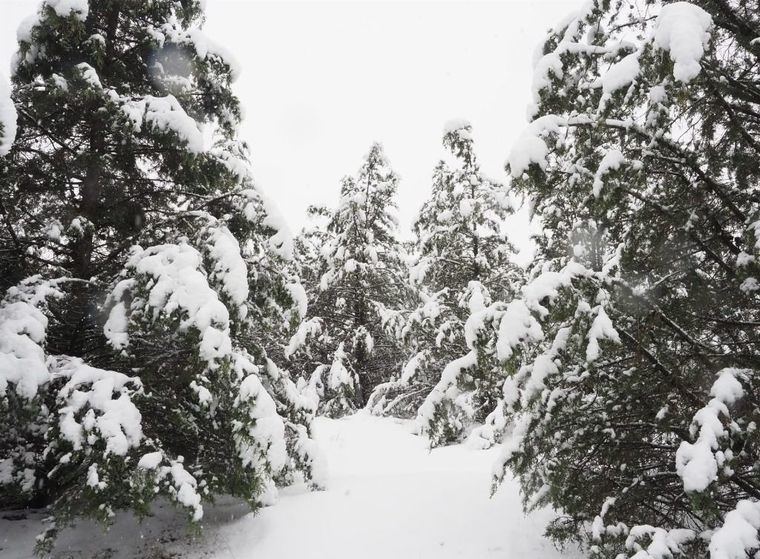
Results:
390 498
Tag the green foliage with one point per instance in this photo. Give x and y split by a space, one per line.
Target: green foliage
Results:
354 269
640 183
127 182
462 261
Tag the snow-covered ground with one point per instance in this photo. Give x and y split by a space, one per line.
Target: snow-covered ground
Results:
389 497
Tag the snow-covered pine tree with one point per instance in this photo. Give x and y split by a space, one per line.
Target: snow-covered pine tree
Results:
634 347
130 372
459 233
358 259
462 260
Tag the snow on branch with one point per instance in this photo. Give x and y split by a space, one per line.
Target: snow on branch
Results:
164 114
78 9
176 285
601 328
611 161
739 533
306 329
663 544
23 327
228 268
107 398
262 446
698 463
531 147
517 324
179 484
446 389
207 48
682 29
22 359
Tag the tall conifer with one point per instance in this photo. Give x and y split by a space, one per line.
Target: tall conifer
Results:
633 350
133 354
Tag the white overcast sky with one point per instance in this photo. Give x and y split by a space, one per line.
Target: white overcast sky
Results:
322 80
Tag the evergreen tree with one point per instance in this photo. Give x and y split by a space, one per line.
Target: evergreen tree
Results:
130 372
633 350
462 260
460 236
358 260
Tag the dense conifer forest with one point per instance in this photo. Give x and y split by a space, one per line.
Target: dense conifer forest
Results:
165 339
